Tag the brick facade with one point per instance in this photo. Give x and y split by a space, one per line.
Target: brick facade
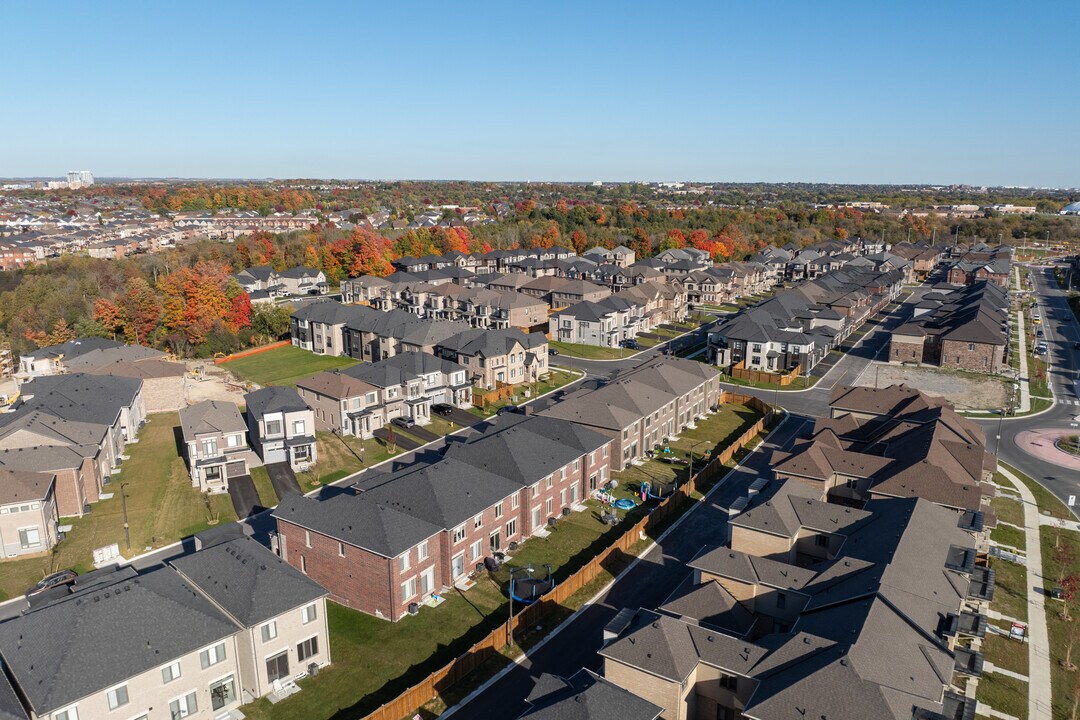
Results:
905 349
980 357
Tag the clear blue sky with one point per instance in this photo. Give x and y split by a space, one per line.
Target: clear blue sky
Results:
976 92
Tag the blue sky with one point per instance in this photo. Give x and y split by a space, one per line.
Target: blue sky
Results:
983 93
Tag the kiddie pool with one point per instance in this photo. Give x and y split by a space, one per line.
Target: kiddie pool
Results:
624 504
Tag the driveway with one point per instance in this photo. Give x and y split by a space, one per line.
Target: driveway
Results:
423 433
245 499
461 418
283 479
404 442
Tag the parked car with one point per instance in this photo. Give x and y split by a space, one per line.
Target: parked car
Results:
442 409
1038 333
404 422
631 344
64 577
1041 349
552 351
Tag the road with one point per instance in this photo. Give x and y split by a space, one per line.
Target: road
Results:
1062 332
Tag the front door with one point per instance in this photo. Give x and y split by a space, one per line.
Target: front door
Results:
458 566
277 667
495 545
536 518
427 580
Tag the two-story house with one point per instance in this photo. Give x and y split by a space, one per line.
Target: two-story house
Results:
281 427
28 516
215 445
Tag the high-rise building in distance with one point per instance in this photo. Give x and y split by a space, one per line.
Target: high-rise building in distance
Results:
77 178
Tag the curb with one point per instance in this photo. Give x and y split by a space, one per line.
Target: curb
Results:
591 601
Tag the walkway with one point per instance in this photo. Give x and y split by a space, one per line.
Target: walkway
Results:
1039 694
1025 391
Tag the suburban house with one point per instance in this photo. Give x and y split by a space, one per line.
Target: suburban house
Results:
755 633
75 426
281 427
302 281
195 638
401 538
163 381
53 359
969 329
490 357
620 255
215 445
553 698
339 401
893 442
641 407
402 386
606 323
28 515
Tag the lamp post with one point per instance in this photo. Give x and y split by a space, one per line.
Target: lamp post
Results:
692 446
123 504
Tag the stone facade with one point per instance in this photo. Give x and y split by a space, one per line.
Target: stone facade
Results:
979 357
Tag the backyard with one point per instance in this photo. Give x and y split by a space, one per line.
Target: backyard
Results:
162 507
283 366
374 660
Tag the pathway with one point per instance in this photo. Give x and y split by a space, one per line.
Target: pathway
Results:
1025 391
1039 694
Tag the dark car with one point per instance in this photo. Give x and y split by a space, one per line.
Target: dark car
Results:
405 422
64 577
552 351
442 409
631 344
1038 333
511 409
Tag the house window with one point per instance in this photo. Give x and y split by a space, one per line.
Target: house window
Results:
781 601
548 506
212 655
459 533
269 631
308 648
514 501
498 511
370 398
476 550
408 589
29 537
478 522
341 549
71 713
273 427
511 528
728 682
535 489
298 427
309 614
232 441
209 447
307 538
170 672
403 561
303 564
422 551
183 706
547 484
222 692
117 697
821 540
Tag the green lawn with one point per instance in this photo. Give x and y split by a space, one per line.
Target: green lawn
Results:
340 456
589 352
1009 510
284 365
267 497
555 379
800 383
374 660
1005 653
1010 592
162 508
1004 694
1010 536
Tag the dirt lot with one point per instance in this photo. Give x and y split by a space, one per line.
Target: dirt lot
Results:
967 391
217 385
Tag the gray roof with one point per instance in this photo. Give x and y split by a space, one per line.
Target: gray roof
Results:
62 651
82 397
11 707
586 696
210 416
251 583
20 486
274 399
355 520
73 348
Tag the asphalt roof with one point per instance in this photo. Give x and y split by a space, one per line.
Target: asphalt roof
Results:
274 399
586 696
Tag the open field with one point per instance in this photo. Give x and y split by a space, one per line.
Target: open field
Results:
161 504
965 390
284 365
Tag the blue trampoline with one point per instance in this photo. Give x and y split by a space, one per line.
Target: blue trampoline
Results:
527 589
624 504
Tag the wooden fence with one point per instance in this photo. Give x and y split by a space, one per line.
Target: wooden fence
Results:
252 351
484 398
739 372
454 671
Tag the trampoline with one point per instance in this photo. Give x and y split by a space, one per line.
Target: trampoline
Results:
624 504
656 491
526 590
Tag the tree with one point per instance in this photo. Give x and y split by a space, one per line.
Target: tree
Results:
141 311
109 316
579 240
1067 663
674 240
1064 556
269 321
1070 587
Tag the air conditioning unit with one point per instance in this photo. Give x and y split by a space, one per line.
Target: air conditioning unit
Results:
312 669
414 608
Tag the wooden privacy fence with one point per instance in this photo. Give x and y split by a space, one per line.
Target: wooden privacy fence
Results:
739 372
502 391
454 671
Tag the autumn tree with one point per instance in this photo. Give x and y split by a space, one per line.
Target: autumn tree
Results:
674 240
141 310
109 316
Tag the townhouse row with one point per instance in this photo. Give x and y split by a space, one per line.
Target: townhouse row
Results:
397 540
195 637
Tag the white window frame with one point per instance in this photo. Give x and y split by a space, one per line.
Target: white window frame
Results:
110 696
309 613
318 651
71 712
268 631
422 551
174 665
214 649
187 711
476 550
404 562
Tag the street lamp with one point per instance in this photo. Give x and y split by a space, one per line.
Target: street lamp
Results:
123 504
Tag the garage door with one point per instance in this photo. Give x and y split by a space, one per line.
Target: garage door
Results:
235 469
275 455
439 397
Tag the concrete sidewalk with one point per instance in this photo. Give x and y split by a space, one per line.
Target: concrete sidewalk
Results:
1025 390
1039 693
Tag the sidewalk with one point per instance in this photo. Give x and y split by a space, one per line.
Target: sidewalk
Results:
1025 390
1039 694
